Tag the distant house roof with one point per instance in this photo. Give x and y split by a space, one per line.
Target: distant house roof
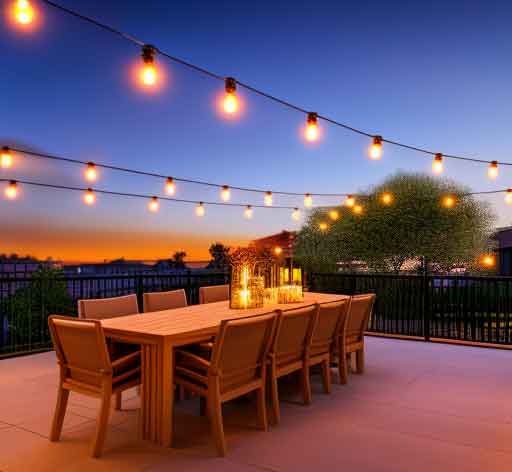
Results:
504 237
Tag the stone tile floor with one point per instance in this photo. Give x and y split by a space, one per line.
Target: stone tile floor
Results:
418 407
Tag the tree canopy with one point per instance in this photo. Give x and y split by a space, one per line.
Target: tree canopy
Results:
414 226
219 256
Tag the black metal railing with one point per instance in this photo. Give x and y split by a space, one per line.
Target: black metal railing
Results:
464 308
26 303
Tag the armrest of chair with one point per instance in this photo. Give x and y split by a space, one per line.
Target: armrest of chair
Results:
193 359
126 360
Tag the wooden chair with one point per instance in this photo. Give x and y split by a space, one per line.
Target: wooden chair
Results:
331 320
213 293
158 301
289 351
351 339
86 368
237 367
103 308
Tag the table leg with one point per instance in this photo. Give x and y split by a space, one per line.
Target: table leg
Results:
167 396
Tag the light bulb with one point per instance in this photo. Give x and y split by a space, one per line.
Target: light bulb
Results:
375 150
5 158
11 191
91 173
488 260
148 73
437 164
492 170
154 205
357 209
200 209
387 198
312 131
248 212
230 102
268 199
308 200
334 215
448 201
170 186
278 251
23 12
89 197
350 201
322 226
508 196
225 193
296 214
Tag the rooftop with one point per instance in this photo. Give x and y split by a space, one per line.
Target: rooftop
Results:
419 406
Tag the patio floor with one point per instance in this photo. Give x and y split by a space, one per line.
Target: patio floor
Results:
418 407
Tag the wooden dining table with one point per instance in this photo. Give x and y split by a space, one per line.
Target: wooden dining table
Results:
159 333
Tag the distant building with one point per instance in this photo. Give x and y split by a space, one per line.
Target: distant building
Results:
503 237
281 244
116 267
24 266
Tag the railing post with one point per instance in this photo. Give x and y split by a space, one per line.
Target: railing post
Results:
139 290
426 306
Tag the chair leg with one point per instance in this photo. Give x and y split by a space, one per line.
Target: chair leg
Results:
101 425
262 408
60 411
326 376
203 406
306 384
360 361
215 413
119 400
274 391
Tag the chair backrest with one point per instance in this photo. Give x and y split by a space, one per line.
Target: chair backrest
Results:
240 350
293 334
213 293
81 349
331 320
158 301
102 308
361 307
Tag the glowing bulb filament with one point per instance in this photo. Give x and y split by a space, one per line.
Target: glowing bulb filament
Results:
492 170
200 209
154 205
308 200
23 12
91 173
225 193
148 73
437 164
268 199
6 158
170 186
89 197
312 131
248 212
11 191
375 150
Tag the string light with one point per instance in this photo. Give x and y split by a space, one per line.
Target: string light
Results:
308 200
154 205
488 260
387 198
148 73
334 215
448 201
11 191
91 173
296 214
357 209
350 201
225 193
492 170
508 196
323 226
248 212
375 150
6 159
312 131
230 102
437 164
23 12
170 186
200 209
278 250
268 199
89 197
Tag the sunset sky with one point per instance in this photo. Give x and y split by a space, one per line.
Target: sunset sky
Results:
433 74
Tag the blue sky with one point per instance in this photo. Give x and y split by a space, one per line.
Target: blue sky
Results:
433 74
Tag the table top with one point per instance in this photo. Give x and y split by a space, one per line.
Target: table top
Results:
197 320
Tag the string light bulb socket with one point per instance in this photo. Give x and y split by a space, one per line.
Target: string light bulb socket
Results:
437 164
376 148
248 212
334 215
200 209
508 196
89 197
312 131
296 214
448 201
6 159
154 204
91 173
230 103
308 200
23 12
12 190
170 186
148 74
492 170
278 250
350 201
387 198
268 199
225 193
